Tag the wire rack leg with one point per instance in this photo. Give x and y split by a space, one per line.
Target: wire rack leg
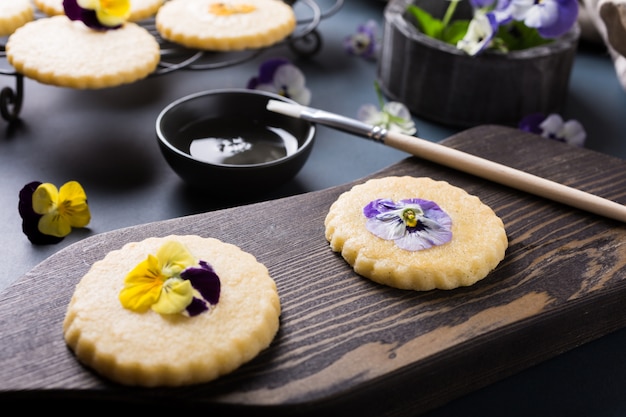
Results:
11 99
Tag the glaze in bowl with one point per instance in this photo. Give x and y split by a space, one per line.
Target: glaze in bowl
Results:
227 141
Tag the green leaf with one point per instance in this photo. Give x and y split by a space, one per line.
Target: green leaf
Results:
455 31
426 23
517 36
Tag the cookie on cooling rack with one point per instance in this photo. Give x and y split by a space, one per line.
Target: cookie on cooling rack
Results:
416 233
66 53
228 25
116 325
14 14
139 9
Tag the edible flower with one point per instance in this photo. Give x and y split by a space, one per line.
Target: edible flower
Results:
48 214
503 25
364 42
413 224
479 34
280 76
392 116
98 14
553 127
171 282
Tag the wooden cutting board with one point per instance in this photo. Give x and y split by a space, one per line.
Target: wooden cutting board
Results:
347 344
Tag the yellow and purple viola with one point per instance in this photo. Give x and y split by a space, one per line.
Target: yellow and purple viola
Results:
172 281
98 14
413 224
49 214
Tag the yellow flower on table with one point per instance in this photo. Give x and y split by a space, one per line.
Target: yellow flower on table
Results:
61 209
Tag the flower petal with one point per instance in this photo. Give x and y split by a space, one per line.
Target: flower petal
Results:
45 198
205 281
54 225
174 258
176 295
142 285
196 307
414 224
73 204
30 219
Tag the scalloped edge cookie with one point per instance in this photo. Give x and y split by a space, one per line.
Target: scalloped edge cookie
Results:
139 9
478 244
58 51
148 349
191 24
14 14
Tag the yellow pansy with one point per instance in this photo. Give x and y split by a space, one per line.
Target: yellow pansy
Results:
156 282
109 12
61 209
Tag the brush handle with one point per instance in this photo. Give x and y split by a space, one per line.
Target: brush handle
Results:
505 175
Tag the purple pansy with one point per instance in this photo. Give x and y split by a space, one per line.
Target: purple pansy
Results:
280 76
551 18
554 127
413 224
206 282
364 42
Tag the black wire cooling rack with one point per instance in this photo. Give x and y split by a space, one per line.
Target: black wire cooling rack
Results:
305 41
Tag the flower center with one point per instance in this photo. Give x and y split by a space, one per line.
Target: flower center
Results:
409 217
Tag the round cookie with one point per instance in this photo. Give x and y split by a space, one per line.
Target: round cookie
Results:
139 9
66 53
225 25
477 246
149 349
14 14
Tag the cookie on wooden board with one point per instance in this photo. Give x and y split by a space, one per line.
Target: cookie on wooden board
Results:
144 347
454 242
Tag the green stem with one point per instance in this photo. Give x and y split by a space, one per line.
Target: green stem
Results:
449 12
379 94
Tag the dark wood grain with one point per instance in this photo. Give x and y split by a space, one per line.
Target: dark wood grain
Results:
346 343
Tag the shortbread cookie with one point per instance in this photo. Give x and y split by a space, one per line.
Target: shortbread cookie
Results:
151 349
475 247
66 53
14 14
139 9
225 25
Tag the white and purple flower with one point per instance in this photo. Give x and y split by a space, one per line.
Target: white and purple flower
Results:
554 127
364 42
480 32
413 224
280 76
551 18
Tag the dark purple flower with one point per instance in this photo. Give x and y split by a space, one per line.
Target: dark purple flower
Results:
30 219
204 280
532 122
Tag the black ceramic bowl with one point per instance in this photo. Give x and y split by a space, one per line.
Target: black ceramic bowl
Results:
227 141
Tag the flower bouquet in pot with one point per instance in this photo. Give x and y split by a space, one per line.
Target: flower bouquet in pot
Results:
469 62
